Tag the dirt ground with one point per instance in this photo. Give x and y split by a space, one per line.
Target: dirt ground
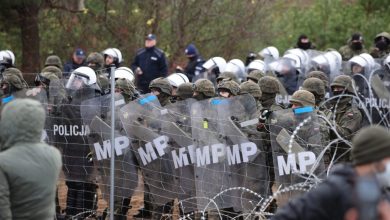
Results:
136 200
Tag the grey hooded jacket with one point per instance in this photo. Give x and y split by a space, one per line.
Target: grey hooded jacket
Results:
29 169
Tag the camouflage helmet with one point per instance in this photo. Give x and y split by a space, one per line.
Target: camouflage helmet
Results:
314 85
162 84
229 85
255 75
96 58
45 78
319 75
13 80
184 90
53 60
126 86
303 97
269 84
53 69
204 86
227 75
251 88
14 71
343 81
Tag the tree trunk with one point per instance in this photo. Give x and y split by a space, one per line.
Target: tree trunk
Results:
28 17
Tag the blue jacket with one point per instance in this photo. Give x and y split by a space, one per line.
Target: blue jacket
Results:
153 64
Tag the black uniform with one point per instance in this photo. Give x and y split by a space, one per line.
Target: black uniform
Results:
194 66
153 64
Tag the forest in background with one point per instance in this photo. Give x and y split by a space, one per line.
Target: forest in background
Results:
34 29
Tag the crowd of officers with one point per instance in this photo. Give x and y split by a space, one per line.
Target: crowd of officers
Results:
262 76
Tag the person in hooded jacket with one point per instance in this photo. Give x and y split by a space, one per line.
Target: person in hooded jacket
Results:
29 168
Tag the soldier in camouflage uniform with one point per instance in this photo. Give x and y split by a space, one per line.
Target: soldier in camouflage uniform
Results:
302 98
161 88
269 87
305 97
253 89
319 75
53 69
228 88
184 91
227 75
347 118
353 48
53 60
255 76
12 85
317 88
96 62
203 89
382 45
126 88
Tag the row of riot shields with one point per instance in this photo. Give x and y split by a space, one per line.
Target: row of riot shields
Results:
199 152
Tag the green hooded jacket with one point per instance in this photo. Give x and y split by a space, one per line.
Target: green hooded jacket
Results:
29 168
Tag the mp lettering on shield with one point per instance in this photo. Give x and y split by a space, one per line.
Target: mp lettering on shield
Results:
104 152
201 156
305 161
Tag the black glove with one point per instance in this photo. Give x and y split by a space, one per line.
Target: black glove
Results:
265 113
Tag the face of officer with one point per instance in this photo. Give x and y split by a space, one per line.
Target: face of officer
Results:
109 60
357 69
155 91
78 59
150 43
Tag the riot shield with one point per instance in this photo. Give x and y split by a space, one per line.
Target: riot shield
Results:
142 121
245 155
96 113
286 71
177 126
212 174
378 101
225 157
70 135
296 147
329 63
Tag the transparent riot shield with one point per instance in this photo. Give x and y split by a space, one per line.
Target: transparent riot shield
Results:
177 126
296 141
379 101
286 71
142 121
96 113
329 63
212 174
244 153
70 135
56 96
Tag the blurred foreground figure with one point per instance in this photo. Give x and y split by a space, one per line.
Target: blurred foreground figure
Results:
29 168
337 194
